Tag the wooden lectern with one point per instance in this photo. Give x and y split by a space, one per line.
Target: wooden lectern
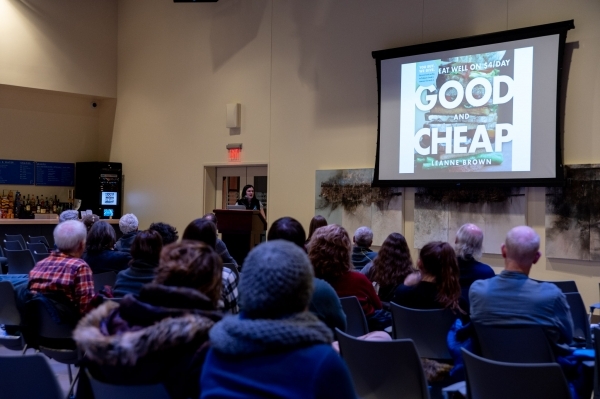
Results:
241 231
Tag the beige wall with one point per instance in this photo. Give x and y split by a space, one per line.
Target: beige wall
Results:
302 71
304 75
61 45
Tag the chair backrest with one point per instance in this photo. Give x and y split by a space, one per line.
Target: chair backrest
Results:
581 322
490 379
41 239
39 256
596 333
564 286
38 247
16 237
19 261
356 322
9 314
102 390
514 343
427 328
18 372
233 268
102 279
384 369
14 245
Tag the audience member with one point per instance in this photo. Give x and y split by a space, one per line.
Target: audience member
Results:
205 231
324 302
64 274
160 335
100 253
316 222
512 298
69 214
89 220
274 348
361 251
468 244
438 287
391 266
129 227
329 252
167 232
145 251
220 246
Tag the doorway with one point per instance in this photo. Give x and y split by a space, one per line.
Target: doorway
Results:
223 185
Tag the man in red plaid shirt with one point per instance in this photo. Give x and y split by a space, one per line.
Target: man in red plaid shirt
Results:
64 271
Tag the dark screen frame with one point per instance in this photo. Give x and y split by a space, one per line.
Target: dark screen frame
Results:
560 28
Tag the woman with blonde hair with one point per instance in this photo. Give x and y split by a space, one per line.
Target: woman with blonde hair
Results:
329 252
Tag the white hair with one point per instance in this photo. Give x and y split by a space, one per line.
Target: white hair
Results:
522 245
469 240
363 237
128 223
69 235
69 214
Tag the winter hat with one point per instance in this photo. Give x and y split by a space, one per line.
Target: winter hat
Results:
277 280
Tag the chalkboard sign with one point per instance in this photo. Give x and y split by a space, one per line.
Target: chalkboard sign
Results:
54 174
16 172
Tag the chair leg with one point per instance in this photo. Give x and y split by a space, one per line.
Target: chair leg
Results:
24 349
71 394
70 374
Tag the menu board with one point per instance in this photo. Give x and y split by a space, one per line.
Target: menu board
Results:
54 174
16 172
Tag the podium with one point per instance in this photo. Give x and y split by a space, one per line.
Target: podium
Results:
241 231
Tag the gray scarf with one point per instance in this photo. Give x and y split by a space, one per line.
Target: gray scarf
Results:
238 336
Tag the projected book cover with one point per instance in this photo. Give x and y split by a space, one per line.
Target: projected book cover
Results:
467 113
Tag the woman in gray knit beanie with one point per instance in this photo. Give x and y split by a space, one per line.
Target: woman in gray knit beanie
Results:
274 347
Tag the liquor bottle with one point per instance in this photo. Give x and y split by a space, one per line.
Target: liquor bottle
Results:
28 203
38 206
55 204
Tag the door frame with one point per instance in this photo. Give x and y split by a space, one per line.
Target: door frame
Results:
210 181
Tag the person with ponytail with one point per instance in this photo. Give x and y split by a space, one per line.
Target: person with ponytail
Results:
438 286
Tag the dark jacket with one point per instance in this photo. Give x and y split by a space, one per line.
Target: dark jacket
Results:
157 337
131 280
107 260
362 257
124 243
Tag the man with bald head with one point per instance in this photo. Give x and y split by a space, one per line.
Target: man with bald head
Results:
512 298
468 245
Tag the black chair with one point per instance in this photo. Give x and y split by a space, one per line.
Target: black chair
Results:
514 344
103 279
26 377
38 247
489 379
19 261
596 332
564 286
582 335
356 322
103 390
427 328
16 237
3 262
53 339
41 239
384 369
13 245
10 318
39 256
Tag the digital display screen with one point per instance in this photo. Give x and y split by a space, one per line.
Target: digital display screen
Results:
109 213
108 198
